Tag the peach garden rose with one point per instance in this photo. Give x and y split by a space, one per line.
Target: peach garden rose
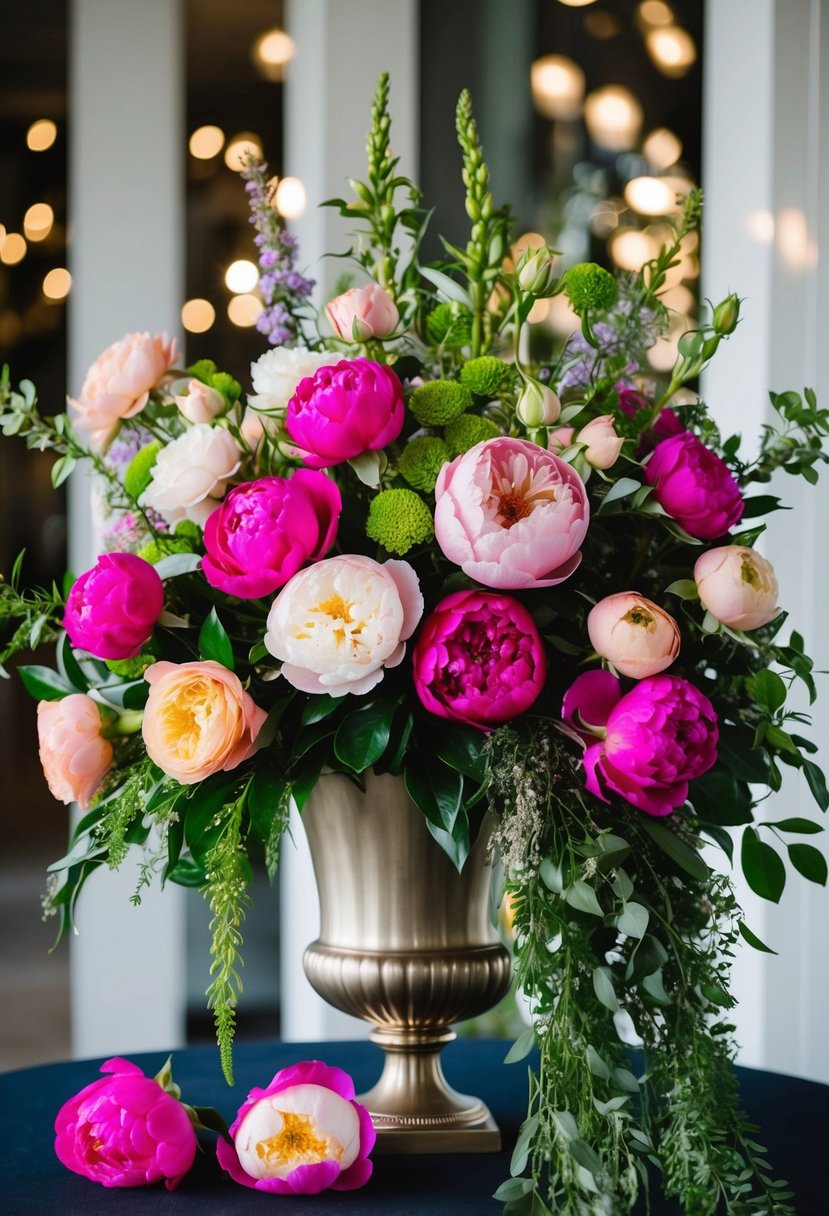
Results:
363 313
637 636
74 754
738 586
119 382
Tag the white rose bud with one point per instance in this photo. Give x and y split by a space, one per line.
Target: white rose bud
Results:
537 274
538 405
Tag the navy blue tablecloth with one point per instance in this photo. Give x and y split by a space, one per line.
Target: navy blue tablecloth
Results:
793 1116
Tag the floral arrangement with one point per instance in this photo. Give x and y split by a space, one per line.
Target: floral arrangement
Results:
525 585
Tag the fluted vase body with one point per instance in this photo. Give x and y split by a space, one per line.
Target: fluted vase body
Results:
407 944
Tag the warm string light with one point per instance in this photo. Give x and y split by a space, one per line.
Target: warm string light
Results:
271 53
41 135
289 199
197 315
240 147
13 249
672 50
241 276
57 284
557 87
613 117
38 221
206 142
243 310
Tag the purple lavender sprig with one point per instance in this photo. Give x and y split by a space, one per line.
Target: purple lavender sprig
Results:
283 288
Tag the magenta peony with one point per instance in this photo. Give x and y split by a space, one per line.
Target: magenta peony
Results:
637 636
363 313
342 411
694 486
74 755
265 530
125 1130
119 382
738 586
511 515
112 608
301 1135
656 738
479 659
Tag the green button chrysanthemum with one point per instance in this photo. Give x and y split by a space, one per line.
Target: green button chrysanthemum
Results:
589 288
439 401
484 376
398 520
464 432
422 460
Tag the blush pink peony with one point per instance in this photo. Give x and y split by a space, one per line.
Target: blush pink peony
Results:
363 313
198 720
119 383
125 1130
74 755
265 530
302 1134
479 659
694 486
339 624
511 515
342 411
637 636
738 586
656 738
112 608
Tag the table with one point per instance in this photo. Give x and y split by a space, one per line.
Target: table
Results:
791 1113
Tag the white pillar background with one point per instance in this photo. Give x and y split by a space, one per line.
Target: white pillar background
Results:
766 180
126 183
342 47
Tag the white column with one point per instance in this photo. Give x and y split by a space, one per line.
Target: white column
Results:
342 47
127 259
766 180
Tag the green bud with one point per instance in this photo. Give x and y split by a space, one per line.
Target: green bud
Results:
537 405
726 315
536 275
472 208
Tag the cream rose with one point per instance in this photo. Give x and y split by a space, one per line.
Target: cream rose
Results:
738 586
276 374
200 403
337 625
74 755
198 720
190 475
119 382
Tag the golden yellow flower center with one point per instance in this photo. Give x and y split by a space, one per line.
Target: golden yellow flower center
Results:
186 717
514 498
336 609
640 616
297 1143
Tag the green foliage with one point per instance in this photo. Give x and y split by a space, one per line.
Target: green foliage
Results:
139 472
421 460
463 432
399 520
449 325
485 376
439 402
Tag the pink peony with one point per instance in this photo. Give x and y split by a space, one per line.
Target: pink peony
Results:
74 755
738 586
342 411
125 1130
637 636
200 403
479 659
119 382
511 515
656 738
694 486
303 1134
198 720
266 529
363 313
111 610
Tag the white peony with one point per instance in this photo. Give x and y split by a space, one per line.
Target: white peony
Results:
337 625
301 1125
190 475
276 374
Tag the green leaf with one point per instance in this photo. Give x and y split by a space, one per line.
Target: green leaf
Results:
362 736
522 1145
655 988
764 870
455 844
45 684
200 810
633 920
581 895
622 488
737 752
596 1064
267 789
462 747
817 784
131 695
447 287
809 862
318 708
604 989
187 873
214 642
613 851
68 665
521 1048
435 789
647 958
550 874
585 1156
513 1188
769 690
753 939
685 857
806 827
685 588
761 504
719 798
177 564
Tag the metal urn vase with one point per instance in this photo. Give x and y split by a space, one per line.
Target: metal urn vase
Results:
407 944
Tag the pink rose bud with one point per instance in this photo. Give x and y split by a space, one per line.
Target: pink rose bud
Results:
73 754
265 530
737 586
658 737
342 411
303 1134
125 1130
363 313
479 659
560 438
637 636
119 382
201 403
511 514
537 405
603 444
111 610
694 486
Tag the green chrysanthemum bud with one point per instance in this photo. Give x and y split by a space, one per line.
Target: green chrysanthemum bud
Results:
484 376
463 433
449 325
225 384
422 460
590 288
203 369
139 472
131 669
439 401
399 519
